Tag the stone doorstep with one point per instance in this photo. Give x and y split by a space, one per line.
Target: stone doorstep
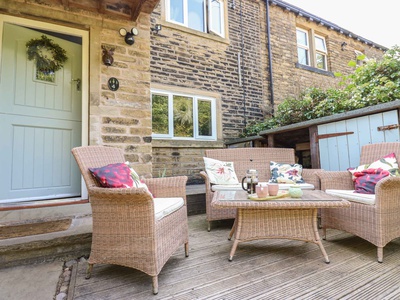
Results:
34 227
61 241
58 245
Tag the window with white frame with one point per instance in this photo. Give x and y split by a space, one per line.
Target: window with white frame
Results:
311 49
303 50
320 53
201 15
182 116
361 58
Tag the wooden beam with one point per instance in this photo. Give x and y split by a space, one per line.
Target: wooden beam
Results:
101 7
329 135
302 146
314 147
270 141
388 127
65 3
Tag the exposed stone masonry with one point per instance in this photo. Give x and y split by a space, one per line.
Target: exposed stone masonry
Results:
182 58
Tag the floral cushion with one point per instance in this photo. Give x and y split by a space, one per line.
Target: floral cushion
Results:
367 179
220 172
366 176
388 163
286 173
113 176
134 175
138 182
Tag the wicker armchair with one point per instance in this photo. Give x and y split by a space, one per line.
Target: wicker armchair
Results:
249 158
377 223
125 230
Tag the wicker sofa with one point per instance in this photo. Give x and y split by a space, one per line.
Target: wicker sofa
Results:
250 158
375 218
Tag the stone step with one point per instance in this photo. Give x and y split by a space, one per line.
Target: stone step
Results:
34 233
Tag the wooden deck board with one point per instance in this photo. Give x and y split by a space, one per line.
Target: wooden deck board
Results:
266 269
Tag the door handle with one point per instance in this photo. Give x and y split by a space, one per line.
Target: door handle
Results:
78 84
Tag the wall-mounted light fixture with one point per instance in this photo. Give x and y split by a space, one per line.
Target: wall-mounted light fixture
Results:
107 57
129 35
156 28
343 45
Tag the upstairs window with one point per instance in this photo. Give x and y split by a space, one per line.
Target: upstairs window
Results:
303 50
180 116
320 53
200 15
361 58
311 49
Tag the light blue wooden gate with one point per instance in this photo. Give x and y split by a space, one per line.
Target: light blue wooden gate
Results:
340 142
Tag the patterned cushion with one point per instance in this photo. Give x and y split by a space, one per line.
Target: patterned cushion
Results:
366 176
220 172
286 173
113 176
138 182
388 163
367 179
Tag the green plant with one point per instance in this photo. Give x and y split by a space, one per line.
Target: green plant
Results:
372 83
48 55
162 173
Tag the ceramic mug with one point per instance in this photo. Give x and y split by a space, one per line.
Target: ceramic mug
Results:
273 189
262 191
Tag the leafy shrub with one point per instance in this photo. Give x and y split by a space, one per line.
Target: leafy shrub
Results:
373 83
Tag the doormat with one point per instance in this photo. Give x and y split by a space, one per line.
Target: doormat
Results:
20 230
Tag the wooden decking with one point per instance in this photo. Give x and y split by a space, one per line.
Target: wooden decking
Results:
266 269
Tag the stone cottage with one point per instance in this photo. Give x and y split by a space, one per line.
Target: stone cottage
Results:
257 56
163 80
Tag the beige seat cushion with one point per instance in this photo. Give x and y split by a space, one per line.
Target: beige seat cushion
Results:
165 206
351 196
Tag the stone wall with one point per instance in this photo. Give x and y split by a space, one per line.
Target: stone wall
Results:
290 80
122 118
201 62
186 60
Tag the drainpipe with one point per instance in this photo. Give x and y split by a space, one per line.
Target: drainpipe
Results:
271 81
242 65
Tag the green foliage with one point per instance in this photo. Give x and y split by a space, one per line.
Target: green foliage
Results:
48 55
160 114
372 83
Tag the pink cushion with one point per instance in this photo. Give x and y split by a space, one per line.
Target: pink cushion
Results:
366 176
367 179
113 176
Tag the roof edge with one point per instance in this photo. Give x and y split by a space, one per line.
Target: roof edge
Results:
313 18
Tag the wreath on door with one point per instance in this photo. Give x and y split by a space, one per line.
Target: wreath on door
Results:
49 56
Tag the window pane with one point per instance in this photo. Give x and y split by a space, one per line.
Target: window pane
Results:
303 56
204 116
183 116
321 61
160 114
320 44
216 16
196 14
176 10
302 38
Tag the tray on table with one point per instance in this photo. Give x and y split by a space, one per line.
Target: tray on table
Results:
281 194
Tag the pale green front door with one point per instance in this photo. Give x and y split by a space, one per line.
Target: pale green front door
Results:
40 120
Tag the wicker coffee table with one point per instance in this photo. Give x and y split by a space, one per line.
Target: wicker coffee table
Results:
283 218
